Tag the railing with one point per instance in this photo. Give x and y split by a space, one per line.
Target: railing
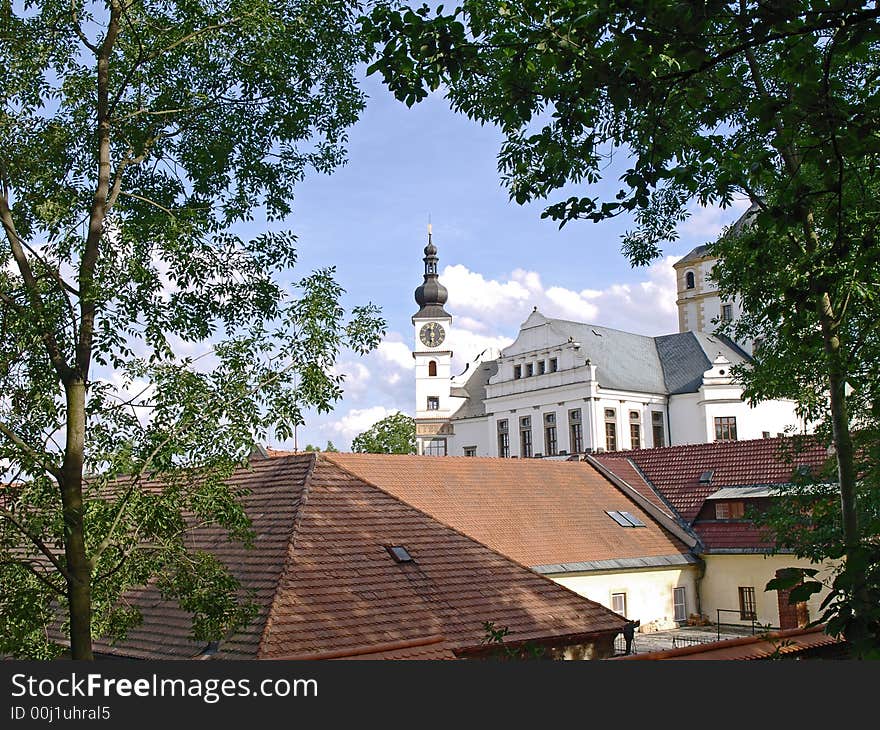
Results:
678 641
620 646
719 611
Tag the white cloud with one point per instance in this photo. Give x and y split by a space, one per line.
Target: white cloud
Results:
396 352
356 377
706 223
494 306
358 420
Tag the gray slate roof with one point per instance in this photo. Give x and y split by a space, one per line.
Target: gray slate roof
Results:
687 355
474 389
625 361
664 365
693 255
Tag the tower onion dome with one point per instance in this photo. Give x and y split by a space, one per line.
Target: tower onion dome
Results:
431 295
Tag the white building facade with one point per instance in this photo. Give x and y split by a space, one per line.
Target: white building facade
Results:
565 387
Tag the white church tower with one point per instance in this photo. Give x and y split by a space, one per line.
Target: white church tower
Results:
431 325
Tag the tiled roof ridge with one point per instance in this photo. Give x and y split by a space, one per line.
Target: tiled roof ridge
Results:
470 538
291 540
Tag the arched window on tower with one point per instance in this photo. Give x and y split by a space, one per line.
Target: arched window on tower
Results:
689 280
432 368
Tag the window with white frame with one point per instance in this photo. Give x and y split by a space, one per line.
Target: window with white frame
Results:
525 437
503 439
575 430
679 603
657 428
618 603
610 429
551 448
635 430
435 447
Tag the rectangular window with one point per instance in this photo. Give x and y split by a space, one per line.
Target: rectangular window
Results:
765 434
554 364
610 429
575 431
747 604
679 603
618 603
530 370
517 372
433 403
726 312
503 440
550 445
435 447
525 437
657 427
635 435
542 367
470 450
725 428
729 511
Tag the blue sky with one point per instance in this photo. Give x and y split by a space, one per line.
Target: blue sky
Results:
497 259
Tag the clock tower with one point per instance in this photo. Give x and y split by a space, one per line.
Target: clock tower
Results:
433 360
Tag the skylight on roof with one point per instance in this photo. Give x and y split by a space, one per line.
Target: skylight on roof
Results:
706 476
625 519
399 553
636 522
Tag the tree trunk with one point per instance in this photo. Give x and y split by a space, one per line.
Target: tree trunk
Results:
79 590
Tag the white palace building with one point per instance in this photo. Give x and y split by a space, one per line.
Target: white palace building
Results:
568 387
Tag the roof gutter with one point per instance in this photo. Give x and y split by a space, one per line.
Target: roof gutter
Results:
362 650
647 505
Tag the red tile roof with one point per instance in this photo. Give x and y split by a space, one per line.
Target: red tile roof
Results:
733 535
629 472
675 471
786 642
326 585
536 511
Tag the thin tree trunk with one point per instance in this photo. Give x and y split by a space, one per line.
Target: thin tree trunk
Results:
79 592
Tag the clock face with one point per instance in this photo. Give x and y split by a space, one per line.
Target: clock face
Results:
432 334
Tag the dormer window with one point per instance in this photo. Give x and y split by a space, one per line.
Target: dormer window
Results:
729 511
689 282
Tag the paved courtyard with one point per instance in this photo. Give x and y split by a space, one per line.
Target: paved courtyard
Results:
682 636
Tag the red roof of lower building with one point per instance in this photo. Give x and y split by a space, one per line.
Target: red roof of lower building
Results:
326 584
541 513
675 471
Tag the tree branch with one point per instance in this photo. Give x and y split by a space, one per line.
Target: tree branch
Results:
22 445
30 281
40 545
